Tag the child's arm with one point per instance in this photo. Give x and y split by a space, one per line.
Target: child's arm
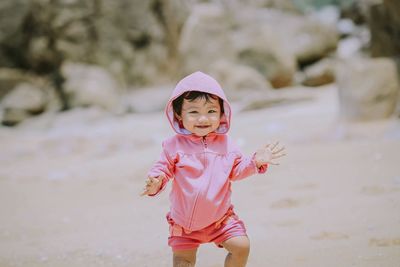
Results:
158 176
258 163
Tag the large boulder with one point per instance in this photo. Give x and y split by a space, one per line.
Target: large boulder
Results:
88 85
205 38
261 49
239 81
132 38
270 41
13 13
384 23
368 88
308 38
276 42
10 78
22 102
213 33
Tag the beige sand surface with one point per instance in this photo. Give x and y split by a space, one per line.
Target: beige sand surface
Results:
69 190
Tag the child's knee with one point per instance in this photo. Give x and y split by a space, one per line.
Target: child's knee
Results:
242 250
187 257
239 246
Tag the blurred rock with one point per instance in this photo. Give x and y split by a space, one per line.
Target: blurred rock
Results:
22 102
12 14
205 38
356 10
284 5
327 15
88 85
270 41
345 27
149 99
309 39
238 80
384 23
349 47
140 42
261 49
12 117
368 88
291 39
289 95
25 96
320 73
117 35
213 33
9 78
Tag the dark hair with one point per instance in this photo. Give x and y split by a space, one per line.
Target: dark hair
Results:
193 95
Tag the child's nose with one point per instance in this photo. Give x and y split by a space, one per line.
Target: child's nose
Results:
203 118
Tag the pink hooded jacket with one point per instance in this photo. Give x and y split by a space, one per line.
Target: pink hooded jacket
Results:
201 168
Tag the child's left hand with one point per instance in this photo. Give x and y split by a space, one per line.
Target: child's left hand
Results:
268 154
153 184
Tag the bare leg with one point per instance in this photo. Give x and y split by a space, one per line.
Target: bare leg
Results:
185 258
239 249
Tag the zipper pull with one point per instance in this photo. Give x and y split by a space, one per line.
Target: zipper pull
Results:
204 141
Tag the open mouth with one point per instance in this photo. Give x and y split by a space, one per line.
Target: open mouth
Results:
202 126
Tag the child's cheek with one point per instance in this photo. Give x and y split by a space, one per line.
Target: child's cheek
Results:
190 119
215 118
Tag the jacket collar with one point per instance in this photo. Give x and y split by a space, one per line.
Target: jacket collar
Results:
196 138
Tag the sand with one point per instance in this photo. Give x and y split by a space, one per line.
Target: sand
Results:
70 184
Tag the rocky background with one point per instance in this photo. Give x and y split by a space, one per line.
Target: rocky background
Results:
56 55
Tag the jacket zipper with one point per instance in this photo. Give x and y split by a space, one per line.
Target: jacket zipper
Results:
204 141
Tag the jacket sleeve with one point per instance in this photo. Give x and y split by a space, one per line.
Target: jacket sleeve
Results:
244 167
165 165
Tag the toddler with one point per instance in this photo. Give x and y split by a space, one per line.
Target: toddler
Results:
202 161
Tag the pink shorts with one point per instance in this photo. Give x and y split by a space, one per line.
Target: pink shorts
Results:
229 226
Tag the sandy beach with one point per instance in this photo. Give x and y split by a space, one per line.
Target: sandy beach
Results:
70 184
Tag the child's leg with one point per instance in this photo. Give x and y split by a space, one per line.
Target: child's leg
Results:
239 249
185 258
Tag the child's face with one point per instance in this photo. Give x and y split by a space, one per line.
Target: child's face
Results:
200 116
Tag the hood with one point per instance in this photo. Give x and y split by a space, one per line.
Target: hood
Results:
198 81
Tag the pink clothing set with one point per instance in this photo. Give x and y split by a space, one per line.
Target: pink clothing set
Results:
201 168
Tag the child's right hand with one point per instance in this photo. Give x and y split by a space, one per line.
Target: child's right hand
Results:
153 184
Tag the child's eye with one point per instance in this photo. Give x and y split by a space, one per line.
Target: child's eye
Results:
193 112
212 111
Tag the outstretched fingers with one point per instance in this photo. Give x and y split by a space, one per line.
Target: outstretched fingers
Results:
279 150
278 156
150 183
273 163
274 145
146 189
145 192
279 153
